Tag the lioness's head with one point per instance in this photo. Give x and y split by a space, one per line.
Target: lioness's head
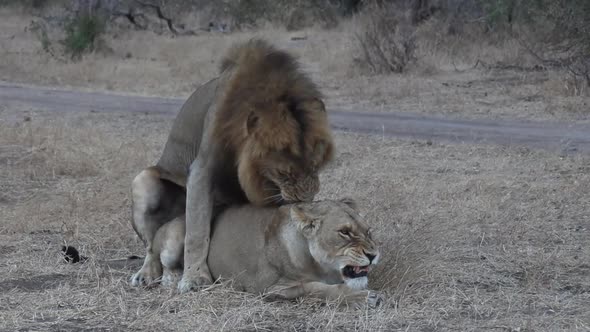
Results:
338 238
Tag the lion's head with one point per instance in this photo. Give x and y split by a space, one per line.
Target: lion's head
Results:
281 157
273 118
338 238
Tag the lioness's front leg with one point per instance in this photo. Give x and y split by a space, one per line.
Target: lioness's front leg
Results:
324 291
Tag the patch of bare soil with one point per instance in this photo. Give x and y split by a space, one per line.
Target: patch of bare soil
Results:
469 93
564 136
34 283
472 237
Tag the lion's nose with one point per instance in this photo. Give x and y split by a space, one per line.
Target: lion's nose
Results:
371 257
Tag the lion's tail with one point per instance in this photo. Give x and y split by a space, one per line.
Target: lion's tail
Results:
252 51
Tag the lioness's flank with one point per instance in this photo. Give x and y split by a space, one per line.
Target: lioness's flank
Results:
320 249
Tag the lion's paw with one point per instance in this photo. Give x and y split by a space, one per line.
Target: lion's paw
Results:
188 284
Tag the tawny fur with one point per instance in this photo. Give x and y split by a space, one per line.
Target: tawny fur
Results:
258 133
291 251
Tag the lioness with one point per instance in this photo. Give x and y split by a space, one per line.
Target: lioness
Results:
320 249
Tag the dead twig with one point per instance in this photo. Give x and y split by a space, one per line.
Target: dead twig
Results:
160 15
132 18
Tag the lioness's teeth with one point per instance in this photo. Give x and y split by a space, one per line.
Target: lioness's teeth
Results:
356 269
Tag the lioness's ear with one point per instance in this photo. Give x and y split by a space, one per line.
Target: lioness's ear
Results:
350 202
251 122
305 223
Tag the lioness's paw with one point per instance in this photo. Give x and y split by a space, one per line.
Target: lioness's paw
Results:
188 284
150 272
142 278
371 299
375 299
170 279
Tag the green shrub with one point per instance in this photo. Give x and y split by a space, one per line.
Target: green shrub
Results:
288 12
251 12
39 29
24 3
386 39
498 12
561 31
82 34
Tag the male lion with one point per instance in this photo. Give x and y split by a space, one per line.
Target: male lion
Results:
258 133
321 249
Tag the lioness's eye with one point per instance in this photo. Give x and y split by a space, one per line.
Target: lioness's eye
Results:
344 232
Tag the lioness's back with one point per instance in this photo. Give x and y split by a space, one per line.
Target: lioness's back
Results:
237 244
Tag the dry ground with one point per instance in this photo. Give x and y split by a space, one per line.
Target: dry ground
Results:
473 237
444 81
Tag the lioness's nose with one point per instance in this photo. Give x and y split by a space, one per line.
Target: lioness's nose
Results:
371 257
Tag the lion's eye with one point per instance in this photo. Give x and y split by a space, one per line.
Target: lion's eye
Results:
283 176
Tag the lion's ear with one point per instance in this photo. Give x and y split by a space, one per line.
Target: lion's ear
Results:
251 123
305 223
320 149
314 104
322 153
350 202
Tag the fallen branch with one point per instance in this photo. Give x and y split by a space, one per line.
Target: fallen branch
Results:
132 18
160 15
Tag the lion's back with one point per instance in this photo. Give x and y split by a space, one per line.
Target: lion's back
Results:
186 134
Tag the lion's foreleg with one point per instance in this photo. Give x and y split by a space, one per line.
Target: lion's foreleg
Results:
199 212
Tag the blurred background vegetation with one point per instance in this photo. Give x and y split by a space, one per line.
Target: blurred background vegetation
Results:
555 32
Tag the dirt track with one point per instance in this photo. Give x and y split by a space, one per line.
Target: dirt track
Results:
567 137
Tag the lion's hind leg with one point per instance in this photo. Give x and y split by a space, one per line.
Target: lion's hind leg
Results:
171 248
155 202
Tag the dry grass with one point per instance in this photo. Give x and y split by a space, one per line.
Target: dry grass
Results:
444 81
473 237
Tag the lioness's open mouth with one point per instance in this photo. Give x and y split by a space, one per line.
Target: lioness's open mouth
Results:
352 272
